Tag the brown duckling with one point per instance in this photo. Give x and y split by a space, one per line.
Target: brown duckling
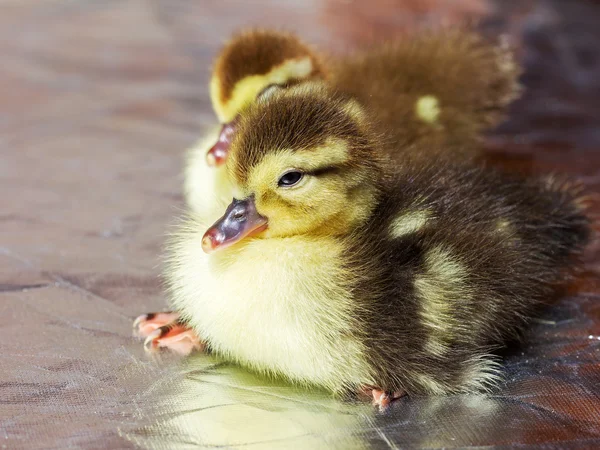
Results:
328 271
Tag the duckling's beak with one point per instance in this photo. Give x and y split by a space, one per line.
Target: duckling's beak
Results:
217 155
239 221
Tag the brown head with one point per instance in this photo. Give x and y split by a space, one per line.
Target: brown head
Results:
251 63
303 162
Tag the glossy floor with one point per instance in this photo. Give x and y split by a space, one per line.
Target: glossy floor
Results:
99 98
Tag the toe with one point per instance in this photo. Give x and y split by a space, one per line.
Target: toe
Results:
151 341
383 398
175 337
145 324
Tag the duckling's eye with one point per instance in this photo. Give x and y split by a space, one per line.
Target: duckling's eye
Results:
290 178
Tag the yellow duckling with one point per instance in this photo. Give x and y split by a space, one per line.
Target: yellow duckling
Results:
331 273
438 89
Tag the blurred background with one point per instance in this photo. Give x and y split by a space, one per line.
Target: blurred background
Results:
99 99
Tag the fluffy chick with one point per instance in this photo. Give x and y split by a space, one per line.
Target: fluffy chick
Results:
330 272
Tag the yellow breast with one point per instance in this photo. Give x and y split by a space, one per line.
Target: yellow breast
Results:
280 306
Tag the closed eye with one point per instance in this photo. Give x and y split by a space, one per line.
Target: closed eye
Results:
268 91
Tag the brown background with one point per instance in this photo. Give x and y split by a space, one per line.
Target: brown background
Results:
98 99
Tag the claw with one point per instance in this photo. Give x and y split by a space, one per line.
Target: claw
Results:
174 336
151 341
140 319
146 323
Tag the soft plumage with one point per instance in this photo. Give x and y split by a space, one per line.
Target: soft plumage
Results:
255 59
437 89
353 277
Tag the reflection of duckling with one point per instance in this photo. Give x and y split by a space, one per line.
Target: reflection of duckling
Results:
329 273
444 86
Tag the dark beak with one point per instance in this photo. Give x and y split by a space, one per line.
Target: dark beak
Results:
239 221
217 155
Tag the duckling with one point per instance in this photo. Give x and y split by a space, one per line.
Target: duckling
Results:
330 272
447 85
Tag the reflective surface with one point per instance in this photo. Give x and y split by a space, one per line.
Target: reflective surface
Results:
98 99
